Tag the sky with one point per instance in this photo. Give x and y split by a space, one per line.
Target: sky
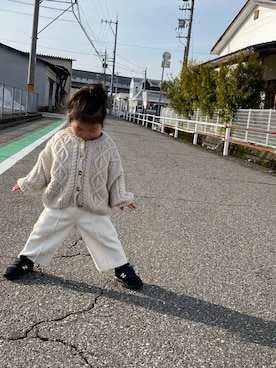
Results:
145 30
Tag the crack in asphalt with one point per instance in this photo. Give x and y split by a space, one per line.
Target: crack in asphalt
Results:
33 331
35 328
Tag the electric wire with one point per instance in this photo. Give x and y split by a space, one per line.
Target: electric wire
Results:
98 43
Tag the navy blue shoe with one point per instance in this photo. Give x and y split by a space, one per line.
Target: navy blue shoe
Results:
20 267
127 276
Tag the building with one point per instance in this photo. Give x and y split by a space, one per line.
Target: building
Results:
128 92
63 69
145 95
81 78
51 75
253 29
55 78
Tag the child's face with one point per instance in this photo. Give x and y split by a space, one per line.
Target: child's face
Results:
86 131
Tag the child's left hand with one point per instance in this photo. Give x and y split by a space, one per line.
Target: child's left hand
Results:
16 188
131 206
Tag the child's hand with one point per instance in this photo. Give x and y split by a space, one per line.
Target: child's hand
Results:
16 188
131 206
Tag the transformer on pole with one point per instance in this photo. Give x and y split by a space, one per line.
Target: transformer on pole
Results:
186 22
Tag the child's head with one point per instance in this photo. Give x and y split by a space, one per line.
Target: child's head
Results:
88 105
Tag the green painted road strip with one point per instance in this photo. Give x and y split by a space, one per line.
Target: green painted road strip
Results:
14 147
15 151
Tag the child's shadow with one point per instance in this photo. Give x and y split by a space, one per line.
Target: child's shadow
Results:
153 297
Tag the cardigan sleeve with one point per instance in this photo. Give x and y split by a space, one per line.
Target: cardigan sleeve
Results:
39 176
118 196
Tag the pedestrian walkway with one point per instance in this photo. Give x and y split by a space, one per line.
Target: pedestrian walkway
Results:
202 239
15 151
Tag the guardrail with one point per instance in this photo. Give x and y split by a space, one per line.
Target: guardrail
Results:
250 128
15 100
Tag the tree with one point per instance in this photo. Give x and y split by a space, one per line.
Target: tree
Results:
171 90
250 82
240 85
225 93
182 92
207 90
225 88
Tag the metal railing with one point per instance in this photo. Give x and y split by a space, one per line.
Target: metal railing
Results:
15 100
251 128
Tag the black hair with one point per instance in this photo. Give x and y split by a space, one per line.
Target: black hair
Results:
88 104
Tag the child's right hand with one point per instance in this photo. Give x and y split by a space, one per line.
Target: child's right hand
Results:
16 188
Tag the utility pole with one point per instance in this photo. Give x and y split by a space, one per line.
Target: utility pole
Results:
114 58
144 93
32 56
105 66
186 53
145 76
188 5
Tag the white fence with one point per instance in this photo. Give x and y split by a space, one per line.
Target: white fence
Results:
250 128
15 100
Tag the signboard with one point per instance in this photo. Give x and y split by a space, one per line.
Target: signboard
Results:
166 64
166 60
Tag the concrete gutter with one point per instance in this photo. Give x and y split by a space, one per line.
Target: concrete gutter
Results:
10 121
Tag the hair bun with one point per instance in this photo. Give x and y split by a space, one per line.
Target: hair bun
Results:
97 91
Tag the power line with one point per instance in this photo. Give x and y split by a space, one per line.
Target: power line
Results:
78 18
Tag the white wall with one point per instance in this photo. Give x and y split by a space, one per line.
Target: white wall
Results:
253 32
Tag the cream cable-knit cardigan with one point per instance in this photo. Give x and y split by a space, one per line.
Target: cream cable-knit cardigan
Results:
73 172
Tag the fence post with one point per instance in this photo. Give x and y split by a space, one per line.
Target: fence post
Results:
268 127
12 101
162 125
153 122
146 120
196 128
226 142
2 99
176 129
195 134
247 124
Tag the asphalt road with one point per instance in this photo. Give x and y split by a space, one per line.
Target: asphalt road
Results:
202 239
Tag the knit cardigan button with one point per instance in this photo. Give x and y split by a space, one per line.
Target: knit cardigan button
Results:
80 172
78 189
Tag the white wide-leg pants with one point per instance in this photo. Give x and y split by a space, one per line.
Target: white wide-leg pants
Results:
97 232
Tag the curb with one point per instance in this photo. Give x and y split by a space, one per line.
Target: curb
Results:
13 121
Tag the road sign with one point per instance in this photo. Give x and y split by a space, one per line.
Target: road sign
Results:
166 56
166 64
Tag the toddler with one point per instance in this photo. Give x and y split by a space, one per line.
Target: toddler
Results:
80 176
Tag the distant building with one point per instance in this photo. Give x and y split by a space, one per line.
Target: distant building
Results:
128 92
143 94
253 29
81 78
